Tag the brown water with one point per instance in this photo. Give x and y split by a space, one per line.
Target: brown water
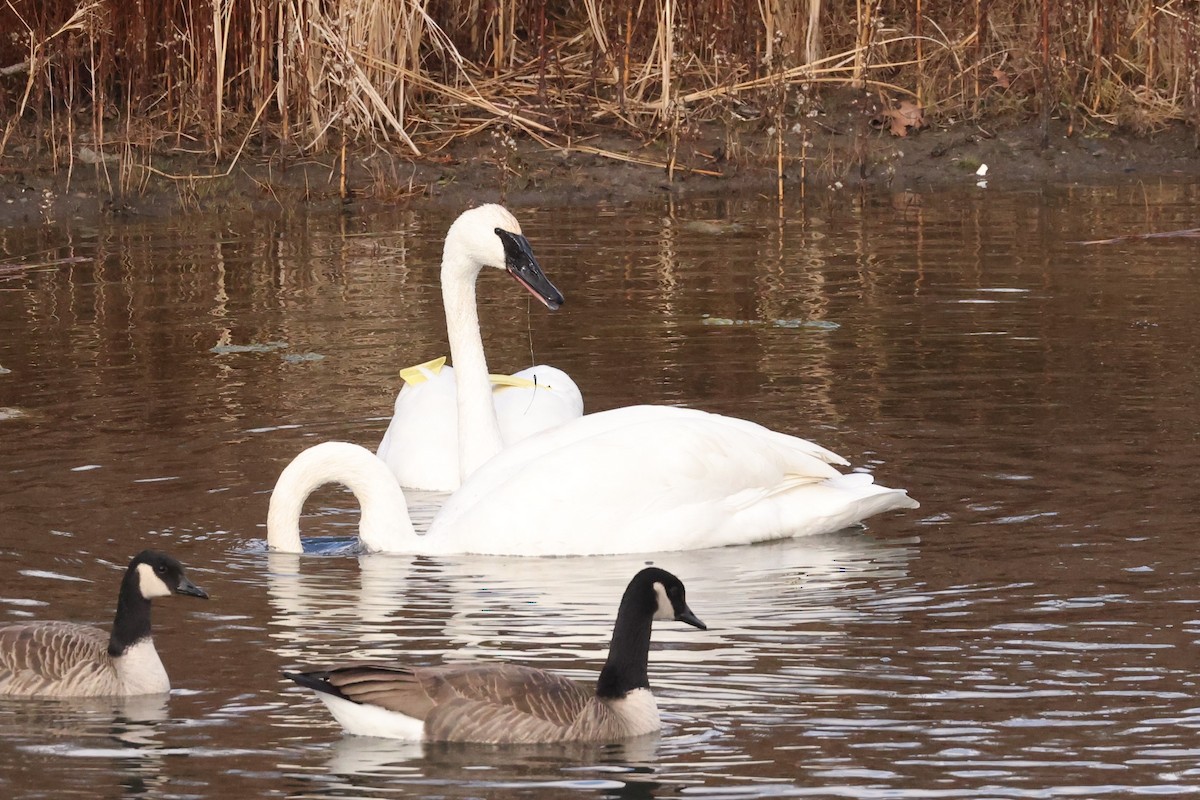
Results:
1031 631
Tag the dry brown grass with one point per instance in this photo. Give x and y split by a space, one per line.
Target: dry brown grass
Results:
131 77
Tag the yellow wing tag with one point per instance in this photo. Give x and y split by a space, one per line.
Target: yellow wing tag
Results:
507 381
419 373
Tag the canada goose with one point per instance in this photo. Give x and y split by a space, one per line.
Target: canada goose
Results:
508 703
422 442
64 659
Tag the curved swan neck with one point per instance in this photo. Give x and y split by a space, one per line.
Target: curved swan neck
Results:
385 523
478 429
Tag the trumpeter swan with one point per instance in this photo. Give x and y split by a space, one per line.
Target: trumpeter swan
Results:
421 443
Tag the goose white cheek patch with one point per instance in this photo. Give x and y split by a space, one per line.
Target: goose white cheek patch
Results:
150 584
665 610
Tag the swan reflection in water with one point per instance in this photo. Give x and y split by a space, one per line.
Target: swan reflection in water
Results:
557 613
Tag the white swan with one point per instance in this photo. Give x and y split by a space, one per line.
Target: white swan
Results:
632 480
421 442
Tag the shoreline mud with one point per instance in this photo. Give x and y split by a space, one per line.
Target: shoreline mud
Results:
716 158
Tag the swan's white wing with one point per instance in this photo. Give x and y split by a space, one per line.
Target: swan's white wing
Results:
421 443
651 478
598 424
523 411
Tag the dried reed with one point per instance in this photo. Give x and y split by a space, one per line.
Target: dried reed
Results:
306 74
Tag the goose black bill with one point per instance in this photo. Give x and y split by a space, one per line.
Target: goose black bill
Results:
187 587
691 619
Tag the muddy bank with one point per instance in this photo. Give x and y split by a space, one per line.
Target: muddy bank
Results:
739 156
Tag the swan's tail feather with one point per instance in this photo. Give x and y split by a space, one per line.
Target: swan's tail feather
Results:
863 483
795 481
801 506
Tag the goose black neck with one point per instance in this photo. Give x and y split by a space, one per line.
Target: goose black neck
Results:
629 653
132 623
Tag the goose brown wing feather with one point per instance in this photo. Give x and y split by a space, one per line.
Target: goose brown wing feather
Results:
535 692
393 688
470 703
466 720
53 657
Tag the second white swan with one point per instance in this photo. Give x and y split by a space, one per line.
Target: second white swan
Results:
421 445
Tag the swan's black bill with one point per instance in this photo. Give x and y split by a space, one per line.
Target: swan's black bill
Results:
691 619
520 263
187 587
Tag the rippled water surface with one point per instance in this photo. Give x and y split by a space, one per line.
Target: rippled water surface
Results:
1031 631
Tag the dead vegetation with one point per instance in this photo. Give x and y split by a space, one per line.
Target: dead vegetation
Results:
115 82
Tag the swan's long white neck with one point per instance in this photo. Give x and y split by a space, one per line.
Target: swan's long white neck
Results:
478 429
385 523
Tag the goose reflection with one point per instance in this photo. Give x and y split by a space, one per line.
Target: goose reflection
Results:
365 756
134 720
125 731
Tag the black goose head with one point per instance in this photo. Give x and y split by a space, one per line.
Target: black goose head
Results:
652 594
666 595
159 575
150 574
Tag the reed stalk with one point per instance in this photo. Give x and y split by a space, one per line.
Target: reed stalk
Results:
222 11
666 55
419 73
812 36
1047 90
